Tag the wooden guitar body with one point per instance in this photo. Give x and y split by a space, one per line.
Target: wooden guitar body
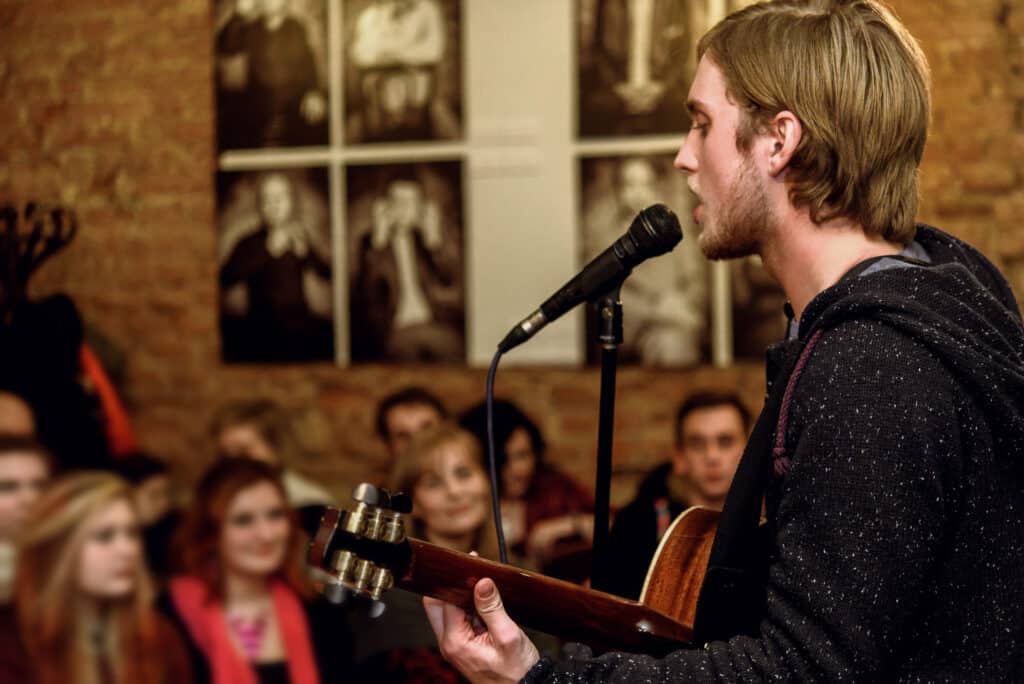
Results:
674 579
661 622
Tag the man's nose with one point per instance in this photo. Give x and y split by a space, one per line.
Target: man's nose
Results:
685 159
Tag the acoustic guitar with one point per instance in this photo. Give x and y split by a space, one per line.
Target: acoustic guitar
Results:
365 551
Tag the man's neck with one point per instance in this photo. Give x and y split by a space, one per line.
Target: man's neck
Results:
806 258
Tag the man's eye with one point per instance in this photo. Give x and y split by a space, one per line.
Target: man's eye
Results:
702 127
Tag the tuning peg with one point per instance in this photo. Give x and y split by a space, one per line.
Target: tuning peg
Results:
336 593
366 493
380 581
376 608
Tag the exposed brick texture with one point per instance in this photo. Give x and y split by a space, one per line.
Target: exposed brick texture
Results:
108 106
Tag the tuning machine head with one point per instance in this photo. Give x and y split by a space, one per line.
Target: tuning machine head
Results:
357 550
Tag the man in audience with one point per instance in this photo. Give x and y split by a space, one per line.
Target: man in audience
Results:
25 469
710 433
404 413
16 416
263 430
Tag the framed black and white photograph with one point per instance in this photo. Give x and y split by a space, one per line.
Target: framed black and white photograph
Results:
635 60
665 299
402 70
275 266
271 73
407 297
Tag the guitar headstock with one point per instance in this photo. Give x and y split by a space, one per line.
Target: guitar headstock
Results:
358 551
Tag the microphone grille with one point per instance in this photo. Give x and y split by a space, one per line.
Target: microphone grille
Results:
656 230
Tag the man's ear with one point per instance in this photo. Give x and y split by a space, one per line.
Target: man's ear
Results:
786 132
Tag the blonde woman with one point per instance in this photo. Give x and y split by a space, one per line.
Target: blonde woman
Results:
443 472
83 610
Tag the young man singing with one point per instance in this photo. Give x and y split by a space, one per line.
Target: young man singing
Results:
890 453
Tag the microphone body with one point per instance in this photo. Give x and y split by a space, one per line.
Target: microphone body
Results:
654 231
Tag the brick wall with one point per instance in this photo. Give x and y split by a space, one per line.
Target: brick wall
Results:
107 106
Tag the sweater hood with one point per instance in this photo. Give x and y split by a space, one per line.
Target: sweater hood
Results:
961 309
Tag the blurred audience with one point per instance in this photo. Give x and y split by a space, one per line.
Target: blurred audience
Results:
546 515
404 413
243 602
152 491
83 603
441 470
710 435
16 416
262 430
25 469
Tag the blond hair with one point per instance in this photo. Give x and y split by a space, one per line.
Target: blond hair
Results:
418 457
52 621
858 82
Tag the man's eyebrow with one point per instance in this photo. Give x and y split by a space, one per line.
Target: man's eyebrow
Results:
696 107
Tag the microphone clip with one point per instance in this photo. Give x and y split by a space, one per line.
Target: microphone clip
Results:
609 315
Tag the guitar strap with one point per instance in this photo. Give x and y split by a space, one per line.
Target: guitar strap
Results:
732 596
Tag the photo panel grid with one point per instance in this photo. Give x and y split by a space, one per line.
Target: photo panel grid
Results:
665 300
406 265
275 270
402 74
270 61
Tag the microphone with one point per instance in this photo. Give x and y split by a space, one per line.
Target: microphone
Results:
654 231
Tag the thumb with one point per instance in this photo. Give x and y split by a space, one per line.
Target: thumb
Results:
491 610
512 645
487 598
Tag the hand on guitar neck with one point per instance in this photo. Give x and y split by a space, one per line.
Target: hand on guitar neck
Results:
365 551
496 650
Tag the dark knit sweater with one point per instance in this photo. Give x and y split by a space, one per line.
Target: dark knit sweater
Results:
897 514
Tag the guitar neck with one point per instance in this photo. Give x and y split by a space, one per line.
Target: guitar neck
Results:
549 605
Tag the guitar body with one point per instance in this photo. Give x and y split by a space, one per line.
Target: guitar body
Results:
661 622
674 579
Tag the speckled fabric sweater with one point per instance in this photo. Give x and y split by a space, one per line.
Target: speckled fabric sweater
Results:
897 525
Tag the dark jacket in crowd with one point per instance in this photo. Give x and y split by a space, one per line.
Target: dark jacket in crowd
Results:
896 505
634 536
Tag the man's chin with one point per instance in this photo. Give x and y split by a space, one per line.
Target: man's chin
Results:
716 249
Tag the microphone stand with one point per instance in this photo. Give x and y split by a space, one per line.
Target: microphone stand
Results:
609 333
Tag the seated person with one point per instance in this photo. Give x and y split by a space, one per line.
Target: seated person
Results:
25 469
262 430
711 432
442 472
83 603
402 414
151 483
397 46
243 602
541 507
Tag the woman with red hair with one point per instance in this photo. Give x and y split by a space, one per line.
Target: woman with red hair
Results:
83 611
243 598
